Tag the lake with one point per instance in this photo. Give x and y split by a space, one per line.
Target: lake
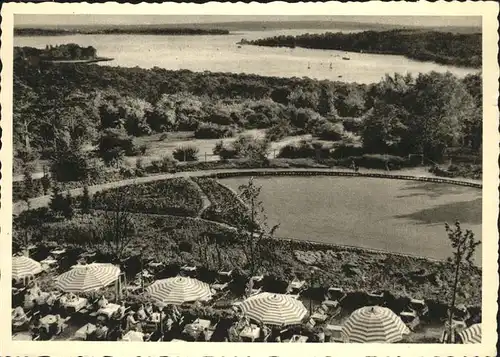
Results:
392 215
222 54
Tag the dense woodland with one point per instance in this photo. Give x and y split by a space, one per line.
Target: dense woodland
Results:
69 51
62 110
119 31
440 47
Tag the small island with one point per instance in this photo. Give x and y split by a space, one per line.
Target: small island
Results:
68 53
128 30
445 48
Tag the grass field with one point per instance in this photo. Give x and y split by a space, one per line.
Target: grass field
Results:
393 215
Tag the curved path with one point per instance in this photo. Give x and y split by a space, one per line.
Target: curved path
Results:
416 174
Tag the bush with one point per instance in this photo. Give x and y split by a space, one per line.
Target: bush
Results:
166 164
304 149
213 131
224 152
278 132
329 131
376 161
114 144
344 151
186 153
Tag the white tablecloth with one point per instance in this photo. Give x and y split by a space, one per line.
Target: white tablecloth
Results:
251 332
109 310
78 304
84 331
133 336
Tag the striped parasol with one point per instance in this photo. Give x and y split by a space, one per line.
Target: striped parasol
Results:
274 309
85 278
23 266
372 324
471 334
178 290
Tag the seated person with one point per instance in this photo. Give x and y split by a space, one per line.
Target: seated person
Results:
60 324
141 314
35 290
206 335
149 309
321 335
35 326
51 299
176 313
120 313
101 332
131 321
155 317
19 316
71 297
102 302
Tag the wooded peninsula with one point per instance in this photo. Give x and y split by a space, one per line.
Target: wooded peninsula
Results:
441 47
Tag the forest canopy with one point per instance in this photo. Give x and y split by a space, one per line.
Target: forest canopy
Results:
440 47
59 108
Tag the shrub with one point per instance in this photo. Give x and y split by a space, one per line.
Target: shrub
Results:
186 153
213 131
166 164
224 152
346 151
278 131
326 130
114 144
376 161
304 149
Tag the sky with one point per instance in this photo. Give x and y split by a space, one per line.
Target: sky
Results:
71 20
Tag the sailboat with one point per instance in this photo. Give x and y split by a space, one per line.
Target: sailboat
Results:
330 65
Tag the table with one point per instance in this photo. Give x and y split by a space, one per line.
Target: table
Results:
319 317
109 310
133 336
299 338
194 329
48 320
22 337
252 332
155 265
42 298
49 262
84 331
77 305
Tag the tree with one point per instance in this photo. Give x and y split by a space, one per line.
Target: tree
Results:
71 163
118 225
252 226
254 149
86 202
464 246
57 200
67 208
29 187
326 104
114 144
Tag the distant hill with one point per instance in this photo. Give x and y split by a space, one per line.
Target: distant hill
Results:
226 27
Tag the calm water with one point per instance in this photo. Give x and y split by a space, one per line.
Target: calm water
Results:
394 215
222 54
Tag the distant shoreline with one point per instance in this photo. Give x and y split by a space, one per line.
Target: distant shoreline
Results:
120 31
93 60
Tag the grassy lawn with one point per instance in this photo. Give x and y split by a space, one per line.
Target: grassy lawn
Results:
398 216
